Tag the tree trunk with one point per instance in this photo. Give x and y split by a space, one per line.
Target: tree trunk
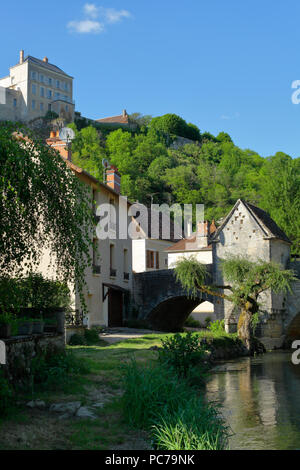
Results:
245 330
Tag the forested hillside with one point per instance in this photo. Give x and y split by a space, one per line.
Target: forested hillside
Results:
212 170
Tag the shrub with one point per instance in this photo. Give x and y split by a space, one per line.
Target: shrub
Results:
77 340
53 371
182 352
217 326
192 323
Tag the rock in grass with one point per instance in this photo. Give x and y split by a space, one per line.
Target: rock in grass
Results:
69 408
85 412
36 404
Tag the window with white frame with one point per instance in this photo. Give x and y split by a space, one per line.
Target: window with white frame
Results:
42 91
33 104
33 89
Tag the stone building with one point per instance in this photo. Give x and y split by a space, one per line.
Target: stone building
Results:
249 231
32 88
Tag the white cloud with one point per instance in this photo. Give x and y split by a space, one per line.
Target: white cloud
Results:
114 16
91 10
90 23
226 116
85 26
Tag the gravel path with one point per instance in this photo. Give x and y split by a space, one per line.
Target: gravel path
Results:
114 335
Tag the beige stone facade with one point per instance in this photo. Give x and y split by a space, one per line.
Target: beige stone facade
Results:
34 87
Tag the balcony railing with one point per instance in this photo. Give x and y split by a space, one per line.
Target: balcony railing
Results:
74 318
126 276
113 272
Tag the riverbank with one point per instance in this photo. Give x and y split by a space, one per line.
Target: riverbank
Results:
101 424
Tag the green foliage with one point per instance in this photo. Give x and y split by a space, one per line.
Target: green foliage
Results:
217 326
196 426
173 125
249 278
54 371
181 352
192 322
190 273
6 318
89 338
43 205
33 291
215 173
6 395
156 400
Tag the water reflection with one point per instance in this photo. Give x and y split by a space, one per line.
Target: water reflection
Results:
260 399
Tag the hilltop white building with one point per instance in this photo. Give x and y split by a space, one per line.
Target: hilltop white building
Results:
34 87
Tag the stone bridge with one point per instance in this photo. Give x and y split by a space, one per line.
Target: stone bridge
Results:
163 304
160 300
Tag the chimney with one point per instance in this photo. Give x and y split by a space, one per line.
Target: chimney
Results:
124 113
57 144
21 56
45 59
113 178
203 231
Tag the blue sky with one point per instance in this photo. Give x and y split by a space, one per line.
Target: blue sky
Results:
223 65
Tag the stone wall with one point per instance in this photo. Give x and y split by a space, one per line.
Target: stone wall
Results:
20 350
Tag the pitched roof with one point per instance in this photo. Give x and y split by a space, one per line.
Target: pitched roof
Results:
185 243
46 65
120 119
262 218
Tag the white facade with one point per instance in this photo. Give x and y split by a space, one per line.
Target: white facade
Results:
141 254
39 87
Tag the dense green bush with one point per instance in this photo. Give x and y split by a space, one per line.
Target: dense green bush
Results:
217 326
52 371
33 291
182 352
174 125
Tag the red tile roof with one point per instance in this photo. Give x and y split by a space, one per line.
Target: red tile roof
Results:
120 119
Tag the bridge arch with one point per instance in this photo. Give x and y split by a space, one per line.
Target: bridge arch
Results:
161 301
171 313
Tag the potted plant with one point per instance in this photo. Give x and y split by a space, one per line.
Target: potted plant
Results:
25 326
6 320
37 325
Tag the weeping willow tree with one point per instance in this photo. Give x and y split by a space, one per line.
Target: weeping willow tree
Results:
245 281
43 205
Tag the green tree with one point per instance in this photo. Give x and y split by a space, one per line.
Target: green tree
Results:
280 194
42 205
245 281
87 152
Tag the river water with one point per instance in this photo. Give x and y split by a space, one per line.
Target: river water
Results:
260 400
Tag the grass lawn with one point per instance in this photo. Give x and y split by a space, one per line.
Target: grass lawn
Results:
26 428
